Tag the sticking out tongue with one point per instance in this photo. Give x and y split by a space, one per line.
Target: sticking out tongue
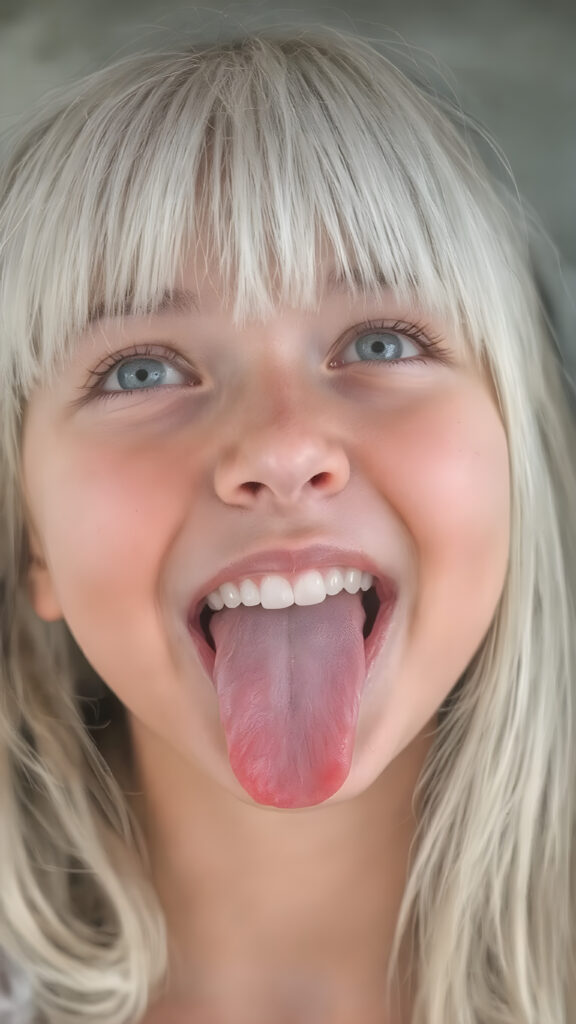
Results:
289 683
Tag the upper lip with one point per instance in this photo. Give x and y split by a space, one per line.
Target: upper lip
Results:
286 560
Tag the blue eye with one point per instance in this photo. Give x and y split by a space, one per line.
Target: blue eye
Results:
142 373
381 346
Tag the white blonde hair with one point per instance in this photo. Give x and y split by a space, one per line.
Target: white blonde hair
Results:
263 151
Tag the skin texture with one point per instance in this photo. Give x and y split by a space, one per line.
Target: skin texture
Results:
136 500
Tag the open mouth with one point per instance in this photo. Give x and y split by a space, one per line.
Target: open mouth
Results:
289 672
378 603
370 602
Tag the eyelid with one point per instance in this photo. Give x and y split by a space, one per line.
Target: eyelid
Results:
152 351
430 342
93 388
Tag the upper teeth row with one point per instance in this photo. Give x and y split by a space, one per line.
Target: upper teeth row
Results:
277 592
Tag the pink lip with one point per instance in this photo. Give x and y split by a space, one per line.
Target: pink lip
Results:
288 561
291 562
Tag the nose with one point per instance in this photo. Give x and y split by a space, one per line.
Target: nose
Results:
273 466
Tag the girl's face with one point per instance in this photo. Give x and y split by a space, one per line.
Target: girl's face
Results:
356 435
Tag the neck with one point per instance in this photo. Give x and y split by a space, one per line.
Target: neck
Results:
256 898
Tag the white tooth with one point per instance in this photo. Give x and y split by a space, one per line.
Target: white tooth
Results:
352 580
333 581
309 589
214 601
230 595
367 581
249 593
276 592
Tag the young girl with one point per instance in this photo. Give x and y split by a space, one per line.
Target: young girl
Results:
288 567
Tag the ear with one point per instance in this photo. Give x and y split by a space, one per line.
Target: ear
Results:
41 592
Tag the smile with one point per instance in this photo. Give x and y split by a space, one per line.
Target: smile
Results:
378 602
275 591
284 578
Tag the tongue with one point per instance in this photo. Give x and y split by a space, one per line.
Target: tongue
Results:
289 683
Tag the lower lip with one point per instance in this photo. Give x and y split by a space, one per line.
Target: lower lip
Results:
373 644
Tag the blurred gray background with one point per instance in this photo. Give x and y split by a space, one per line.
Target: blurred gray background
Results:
512 63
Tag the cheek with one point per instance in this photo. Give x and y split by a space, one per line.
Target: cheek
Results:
108 516
465 471
462 524
109 519
448 472
445 471
112 520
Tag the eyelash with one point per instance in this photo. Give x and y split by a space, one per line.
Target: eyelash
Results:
93 389
430 343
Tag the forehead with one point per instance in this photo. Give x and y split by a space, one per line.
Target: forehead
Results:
199 291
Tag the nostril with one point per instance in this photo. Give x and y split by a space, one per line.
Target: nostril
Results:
319 479
253 486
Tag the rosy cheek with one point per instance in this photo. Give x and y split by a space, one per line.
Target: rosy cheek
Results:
447 464
443 468
109 516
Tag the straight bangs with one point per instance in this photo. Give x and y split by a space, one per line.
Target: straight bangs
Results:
262 157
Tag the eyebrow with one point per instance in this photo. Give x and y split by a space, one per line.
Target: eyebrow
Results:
183 301
336 281
173 300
